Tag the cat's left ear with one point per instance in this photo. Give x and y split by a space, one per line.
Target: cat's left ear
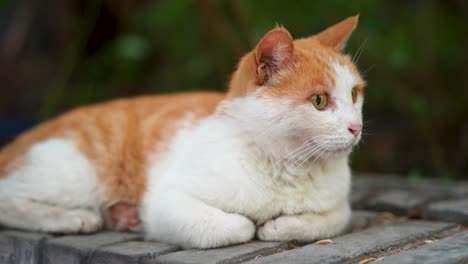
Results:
337 35
273 53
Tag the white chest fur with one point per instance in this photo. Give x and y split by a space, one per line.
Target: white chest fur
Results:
216 164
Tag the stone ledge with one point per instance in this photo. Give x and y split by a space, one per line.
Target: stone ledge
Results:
372 234
452 211
355 245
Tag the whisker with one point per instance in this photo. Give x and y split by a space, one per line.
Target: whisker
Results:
359 52
305 144
364 73
305 147
309 154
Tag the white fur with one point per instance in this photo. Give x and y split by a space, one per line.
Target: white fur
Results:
234 170
56 191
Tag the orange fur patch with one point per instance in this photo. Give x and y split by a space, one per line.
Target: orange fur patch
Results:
117 137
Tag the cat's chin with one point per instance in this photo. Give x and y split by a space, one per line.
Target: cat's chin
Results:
339 153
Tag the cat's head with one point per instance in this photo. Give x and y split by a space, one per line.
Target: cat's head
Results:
300 97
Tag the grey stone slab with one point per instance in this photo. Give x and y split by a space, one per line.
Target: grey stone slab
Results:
452 211
232 254
358 197
360 219
358 244
366 188
78 248
449 250
400 202
20 247
460 189
138 252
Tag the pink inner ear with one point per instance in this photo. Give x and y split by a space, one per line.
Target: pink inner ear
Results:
273 51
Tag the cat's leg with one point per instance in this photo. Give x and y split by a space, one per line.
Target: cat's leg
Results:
306 227
180 219
55 190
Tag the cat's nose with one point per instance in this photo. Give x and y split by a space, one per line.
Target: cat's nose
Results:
355 129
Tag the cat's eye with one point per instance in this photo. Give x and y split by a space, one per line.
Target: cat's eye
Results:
354 94
319 101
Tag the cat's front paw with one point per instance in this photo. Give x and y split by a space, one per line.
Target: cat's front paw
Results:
279 229
242 227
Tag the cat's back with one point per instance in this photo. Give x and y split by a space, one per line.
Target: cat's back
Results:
116 136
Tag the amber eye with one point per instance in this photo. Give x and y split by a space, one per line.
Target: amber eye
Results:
319 101
354 94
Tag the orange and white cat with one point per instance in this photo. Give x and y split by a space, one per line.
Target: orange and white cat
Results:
269 157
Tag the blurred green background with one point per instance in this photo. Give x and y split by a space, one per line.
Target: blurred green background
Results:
59 54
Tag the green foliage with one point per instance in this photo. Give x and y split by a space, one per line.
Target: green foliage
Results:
412 56
4 2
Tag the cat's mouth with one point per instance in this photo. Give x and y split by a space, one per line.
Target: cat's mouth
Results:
345 150
342 151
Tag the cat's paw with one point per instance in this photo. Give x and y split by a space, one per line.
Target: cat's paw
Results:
279 229
234 229
242 228
76 221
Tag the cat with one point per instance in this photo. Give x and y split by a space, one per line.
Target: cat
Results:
268 159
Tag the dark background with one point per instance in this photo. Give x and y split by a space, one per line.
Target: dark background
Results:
59 54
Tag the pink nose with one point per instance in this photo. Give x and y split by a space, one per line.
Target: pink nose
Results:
355 129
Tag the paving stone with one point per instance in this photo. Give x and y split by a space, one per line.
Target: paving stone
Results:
20 247
400 202
358 244
233 254
360 219
460 189
452 211
78 248
449 250
400 195
358 197
138 252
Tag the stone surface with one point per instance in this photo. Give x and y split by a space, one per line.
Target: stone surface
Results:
371 233
449 250
77 249
360 220
233 254
400 202
358 244
452 211
400 195
20 247
138 252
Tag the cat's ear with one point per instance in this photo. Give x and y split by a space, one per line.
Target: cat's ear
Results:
337 35
273 53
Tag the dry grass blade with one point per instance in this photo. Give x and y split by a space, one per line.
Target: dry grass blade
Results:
324 241
292 245
390 216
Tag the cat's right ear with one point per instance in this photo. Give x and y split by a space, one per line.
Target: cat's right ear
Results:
273 53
